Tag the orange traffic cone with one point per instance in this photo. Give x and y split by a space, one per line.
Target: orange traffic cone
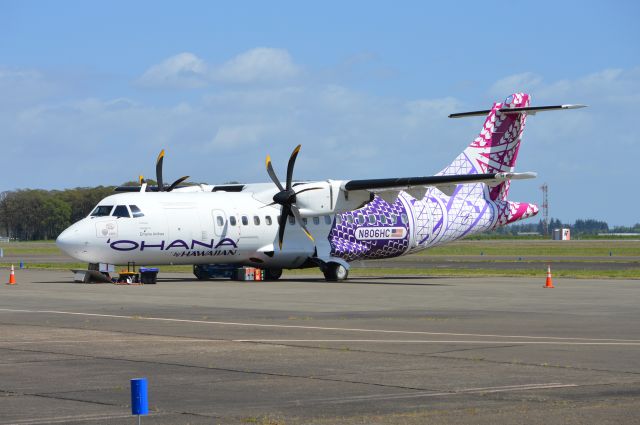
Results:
549 283
12 277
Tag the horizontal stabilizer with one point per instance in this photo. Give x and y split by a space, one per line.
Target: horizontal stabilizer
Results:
531 110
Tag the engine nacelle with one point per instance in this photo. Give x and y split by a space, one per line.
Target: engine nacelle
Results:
328 199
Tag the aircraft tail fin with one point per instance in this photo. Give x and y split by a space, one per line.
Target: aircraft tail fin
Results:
495 150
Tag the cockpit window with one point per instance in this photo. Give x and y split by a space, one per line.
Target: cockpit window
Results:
121 211
102 210
136 211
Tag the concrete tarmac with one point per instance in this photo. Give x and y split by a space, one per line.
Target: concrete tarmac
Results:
304 351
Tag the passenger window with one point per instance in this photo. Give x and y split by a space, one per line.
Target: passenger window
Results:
405 218
220 221
327 219
245 220
316 220
292 220
232 220
102 210
350 219
372 219
135 211
256 220
383 219
121 211
267 219
360 219
304 220
394 218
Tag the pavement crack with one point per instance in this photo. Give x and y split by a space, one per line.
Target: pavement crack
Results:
489 347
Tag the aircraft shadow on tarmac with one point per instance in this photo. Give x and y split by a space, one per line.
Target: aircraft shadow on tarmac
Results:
373 280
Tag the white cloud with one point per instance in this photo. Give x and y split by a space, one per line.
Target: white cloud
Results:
238 136
24 86
184 70
257 65
187 71
526 82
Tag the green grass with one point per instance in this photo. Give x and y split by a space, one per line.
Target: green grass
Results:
591 248
508 247
30 248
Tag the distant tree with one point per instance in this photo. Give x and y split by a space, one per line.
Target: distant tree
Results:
589 227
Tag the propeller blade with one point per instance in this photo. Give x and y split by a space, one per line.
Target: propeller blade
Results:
296 214
292 162
159 171
282 223
176 183
272 174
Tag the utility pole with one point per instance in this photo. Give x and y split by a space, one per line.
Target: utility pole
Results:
545 209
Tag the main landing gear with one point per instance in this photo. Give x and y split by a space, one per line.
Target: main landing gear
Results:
272 274
334 272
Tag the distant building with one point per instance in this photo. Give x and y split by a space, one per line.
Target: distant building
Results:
562 234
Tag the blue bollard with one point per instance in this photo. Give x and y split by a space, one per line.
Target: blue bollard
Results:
139 399
21 264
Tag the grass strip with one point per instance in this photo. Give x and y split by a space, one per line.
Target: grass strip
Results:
520 248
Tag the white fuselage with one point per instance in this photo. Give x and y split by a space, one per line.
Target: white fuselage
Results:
190 228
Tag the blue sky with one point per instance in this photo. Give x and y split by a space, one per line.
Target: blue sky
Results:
90 92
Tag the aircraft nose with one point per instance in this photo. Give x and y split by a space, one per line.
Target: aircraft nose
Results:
69 240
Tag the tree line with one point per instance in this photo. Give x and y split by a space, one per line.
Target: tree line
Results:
35 214
579 227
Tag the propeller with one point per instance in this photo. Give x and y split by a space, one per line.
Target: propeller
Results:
286 197
161 187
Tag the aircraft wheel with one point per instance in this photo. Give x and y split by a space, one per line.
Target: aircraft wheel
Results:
272 274
200 275
335 272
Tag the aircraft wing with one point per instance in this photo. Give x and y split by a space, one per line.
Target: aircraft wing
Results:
388 189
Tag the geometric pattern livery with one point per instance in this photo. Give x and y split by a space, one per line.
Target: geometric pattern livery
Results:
438 218
377 213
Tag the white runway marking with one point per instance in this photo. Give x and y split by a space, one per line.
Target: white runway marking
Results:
436 341
321 328
485 390
104 418
284 341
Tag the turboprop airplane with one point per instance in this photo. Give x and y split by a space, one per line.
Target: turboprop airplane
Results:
325 224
